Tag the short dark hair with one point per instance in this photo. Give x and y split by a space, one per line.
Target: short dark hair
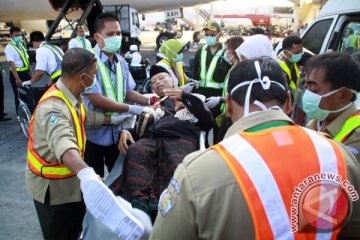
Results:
258 30
75 60
102 18
289 41
245 71
14 29
37 36
340 69
233 43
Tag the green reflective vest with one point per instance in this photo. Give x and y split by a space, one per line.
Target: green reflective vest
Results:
349 126
206 75
59 54
287 71
23 54
117 94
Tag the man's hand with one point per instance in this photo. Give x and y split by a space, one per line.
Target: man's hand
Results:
188 87
212 102
26 83
135 109
18 82
118 119
125 140
173 92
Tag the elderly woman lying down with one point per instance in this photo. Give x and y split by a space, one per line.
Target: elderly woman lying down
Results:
164 138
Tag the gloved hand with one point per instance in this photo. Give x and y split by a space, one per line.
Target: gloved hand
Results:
212 102
105 207
26 83
188 87
118 119
135 109
86 174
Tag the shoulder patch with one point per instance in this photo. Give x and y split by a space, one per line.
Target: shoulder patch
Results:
352 149
166 202
53 120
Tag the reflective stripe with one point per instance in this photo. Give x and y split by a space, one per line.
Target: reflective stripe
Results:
224 92
349 126
54 170
328 164
264 183
23 55
206 75
107 84
286 69
325 152
87 44
59 54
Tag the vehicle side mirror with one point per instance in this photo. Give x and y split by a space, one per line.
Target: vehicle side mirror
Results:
143 17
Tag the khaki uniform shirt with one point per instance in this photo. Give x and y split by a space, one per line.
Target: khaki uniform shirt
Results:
352 142
51 140
206 201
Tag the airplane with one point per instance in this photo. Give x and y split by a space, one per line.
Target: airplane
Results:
46 16
16 10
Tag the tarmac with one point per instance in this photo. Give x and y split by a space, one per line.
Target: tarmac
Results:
18 218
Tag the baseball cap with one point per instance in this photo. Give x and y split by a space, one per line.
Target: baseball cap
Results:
212 26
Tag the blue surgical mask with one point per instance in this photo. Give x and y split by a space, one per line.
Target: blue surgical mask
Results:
227 59
211 40
18 39
112 44
310 105
179 57
295 57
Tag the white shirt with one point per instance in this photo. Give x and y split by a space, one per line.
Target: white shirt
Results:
74 43
45 59
13 56
136 59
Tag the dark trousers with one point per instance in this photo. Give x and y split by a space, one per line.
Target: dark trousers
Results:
1 94
24 76
96 155
60 222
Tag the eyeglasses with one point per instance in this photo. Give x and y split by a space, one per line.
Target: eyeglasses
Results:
86 64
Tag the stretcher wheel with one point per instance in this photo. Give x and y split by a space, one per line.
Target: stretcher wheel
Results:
24 118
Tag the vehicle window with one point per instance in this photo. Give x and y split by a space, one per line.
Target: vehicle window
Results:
314 38
350 38
135 19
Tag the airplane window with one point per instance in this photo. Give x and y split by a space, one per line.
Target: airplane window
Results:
350 38
314 38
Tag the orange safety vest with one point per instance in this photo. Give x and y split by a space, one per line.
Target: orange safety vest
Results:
55 170
349 126
261 163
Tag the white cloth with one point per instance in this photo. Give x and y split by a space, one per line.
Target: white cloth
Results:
45 59
74 43
13 56
136 59
256 46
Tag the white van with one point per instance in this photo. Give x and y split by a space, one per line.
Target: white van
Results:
335 29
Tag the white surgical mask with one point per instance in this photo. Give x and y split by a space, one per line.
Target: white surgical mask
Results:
310 105
92 84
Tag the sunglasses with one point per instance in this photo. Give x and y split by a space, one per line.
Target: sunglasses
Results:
86 64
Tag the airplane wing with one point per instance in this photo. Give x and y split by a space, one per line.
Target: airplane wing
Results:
14 10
